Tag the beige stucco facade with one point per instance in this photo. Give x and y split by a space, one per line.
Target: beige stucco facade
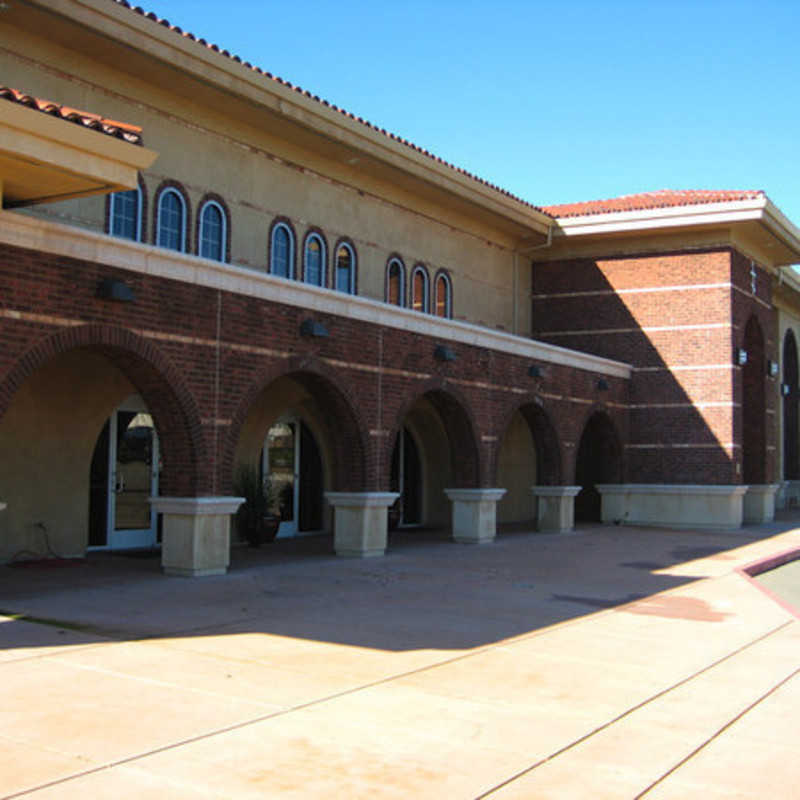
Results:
214 141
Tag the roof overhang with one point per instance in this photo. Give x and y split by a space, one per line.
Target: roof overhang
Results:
756 222
44 158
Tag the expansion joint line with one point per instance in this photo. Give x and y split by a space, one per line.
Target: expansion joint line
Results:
566 748
718 733
249 722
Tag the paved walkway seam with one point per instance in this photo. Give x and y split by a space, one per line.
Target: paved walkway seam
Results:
718 733
642 704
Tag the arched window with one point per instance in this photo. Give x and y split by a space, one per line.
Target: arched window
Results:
125 214
443 292
314 260
419 289
281 251
212 236
345 268
395 282
171 220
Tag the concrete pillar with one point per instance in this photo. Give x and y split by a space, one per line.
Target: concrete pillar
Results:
474 514
360 522
759 503
196 534
788 495
555 507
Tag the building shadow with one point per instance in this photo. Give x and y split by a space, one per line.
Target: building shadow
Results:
426 593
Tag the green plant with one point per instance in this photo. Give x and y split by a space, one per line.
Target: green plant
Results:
251 518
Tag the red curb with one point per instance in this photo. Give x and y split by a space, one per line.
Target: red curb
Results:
749 571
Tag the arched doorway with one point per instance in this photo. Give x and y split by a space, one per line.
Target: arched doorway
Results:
599 460
791 431
433 449
299 430
754 441
57 466
406 479
528 455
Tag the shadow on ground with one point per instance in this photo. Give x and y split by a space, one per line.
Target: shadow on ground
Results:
426 593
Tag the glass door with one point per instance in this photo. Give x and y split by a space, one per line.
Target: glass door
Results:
123 477
133 479
293 465
281 465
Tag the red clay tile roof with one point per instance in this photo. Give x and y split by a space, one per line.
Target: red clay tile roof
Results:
187 35
119 130
665 198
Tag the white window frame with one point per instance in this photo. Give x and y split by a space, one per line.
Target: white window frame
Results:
351 289
290 265
223 245
184 222
426 300
111 198
323 261
445 278
401 294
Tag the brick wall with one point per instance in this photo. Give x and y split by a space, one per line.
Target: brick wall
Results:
200 358
674 317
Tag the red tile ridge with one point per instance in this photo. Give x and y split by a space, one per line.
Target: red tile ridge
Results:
119 130
215 48
664 198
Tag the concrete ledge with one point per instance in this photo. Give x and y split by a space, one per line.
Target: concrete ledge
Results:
196 535
707 507
474 514
360 522
788 495
759 503
555 507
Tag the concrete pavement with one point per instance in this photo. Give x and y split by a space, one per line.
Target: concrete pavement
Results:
609 663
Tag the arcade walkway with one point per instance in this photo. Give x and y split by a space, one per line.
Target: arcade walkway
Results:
610 663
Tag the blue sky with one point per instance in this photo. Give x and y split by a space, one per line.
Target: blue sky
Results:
554 102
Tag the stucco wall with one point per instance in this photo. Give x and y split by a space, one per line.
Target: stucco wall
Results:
261 176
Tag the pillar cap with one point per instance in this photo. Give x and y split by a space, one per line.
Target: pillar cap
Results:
555 491
732 490
196 506
474 495
361 499
763 488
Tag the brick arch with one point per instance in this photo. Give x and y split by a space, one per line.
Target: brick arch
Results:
459 422
598 459
344 426
545 437
170 402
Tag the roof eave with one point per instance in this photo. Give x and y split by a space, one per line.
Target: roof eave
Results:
219 68
729 214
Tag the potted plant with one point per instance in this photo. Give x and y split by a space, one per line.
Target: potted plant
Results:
395 514
254 520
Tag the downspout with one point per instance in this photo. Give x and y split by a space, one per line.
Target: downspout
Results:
517 254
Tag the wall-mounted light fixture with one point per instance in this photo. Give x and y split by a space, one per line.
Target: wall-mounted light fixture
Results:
741 356
313 329
772 368
442 353
113 289
534 371
602 385
785 389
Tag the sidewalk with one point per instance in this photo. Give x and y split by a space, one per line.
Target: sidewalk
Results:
609 663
